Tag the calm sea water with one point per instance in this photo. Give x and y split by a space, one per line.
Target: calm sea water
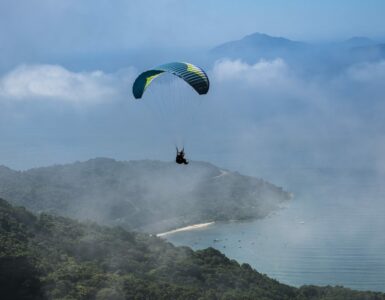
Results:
332 233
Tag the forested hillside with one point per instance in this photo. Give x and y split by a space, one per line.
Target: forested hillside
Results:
150 196
48 257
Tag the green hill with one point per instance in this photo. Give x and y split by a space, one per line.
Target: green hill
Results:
51 257
149 196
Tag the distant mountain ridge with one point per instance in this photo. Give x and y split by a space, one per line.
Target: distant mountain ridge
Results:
314 57
259 40
259 45
150 196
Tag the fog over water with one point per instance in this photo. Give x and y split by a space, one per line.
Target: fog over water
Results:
331 233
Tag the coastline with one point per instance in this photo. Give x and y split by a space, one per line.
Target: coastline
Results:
186 228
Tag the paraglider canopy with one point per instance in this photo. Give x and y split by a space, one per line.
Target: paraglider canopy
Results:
193 75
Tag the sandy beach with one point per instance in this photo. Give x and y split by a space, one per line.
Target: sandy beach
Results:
191 227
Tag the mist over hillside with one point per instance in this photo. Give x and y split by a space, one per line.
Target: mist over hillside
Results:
145 195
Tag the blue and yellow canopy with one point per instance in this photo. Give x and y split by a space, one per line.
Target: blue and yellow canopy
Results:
193 75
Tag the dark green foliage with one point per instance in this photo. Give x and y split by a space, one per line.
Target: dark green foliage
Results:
49 257
19 279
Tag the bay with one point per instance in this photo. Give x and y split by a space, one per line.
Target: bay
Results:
331 233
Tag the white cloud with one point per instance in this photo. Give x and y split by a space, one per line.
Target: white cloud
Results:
266 78
53 82
367 72
267 81
262 73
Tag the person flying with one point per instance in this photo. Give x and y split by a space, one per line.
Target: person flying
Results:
193 75
180 159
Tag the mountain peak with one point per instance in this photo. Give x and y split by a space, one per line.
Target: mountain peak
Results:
258 36
258 45
262 40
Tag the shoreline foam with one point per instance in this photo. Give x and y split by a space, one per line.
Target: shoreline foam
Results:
186 228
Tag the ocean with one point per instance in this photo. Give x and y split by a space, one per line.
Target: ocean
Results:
331 233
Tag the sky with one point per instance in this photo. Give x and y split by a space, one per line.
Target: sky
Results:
59 31
67 68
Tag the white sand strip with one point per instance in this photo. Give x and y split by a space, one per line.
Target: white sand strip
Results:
223 173
191 227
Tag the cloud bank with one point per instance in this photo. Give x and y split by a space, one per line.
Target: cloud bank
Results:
263 72
264 111
55 83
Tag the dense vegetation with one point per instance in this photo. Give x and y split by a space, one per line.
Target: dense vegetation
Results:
149 196
51 257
